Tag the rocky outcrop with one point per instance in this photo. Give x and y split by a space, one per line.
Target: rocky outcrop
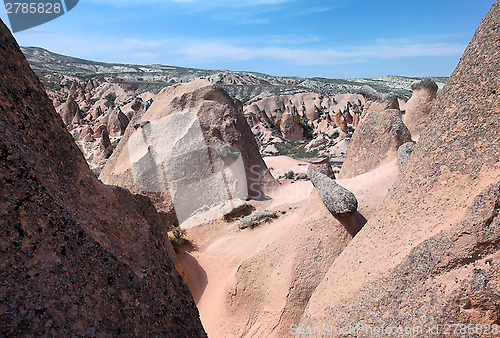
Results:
404 153
317 142
105 145
341 122
290 127
430 254
322 166
78 258
193 148
337 199
418 107
69 110
255 219
375 141
117 122
377 102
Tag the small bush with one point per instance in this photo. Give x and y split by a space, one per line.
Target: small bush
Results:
178 239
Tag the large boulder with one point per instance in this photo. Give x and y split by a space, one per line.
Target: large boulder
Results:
337 199
418 107
191 150
430 254
375 142
78 258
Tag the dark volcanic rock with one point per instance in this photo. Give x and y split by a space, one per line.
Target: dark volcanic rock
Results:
77 258
337 199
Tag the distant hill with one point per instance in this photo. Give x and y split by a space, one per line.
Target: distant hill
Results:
246 86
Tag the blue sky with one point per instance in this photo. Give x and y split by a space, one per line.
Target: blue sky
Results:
336 39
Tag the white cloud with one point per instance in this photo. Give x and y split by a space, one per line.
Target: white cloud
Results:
196 52
216 51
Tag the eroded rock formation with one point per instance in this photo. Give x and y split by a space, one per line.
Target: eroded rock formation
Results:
375 141
78 258
418 107
193 148
435 258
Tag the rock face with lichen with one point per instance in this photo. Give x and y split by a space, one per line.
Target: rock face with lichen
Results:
404 153
78 258
431 255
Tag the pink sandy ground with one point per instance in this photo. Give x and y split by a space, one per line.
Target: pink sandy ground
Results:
220 247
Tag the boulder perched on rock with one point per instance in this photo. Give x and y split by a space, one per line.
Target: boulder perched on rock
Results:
404 153
377 102
430 255
321 165
78 258
418 107
337 199
192 149
375 141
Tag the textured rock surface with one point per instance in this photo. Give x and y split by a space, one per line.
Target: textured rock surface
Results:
186 130
253 220
290 127
77 258
436 255
322 166
117 122
105 145
375 141
69 110
418 107
337 199
404 153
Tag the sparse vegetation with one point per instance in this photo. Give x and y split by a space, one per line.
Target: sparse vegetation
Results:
178 237
110 99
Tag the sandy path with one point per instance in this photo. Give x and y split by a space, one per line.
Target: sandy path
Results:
222 249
